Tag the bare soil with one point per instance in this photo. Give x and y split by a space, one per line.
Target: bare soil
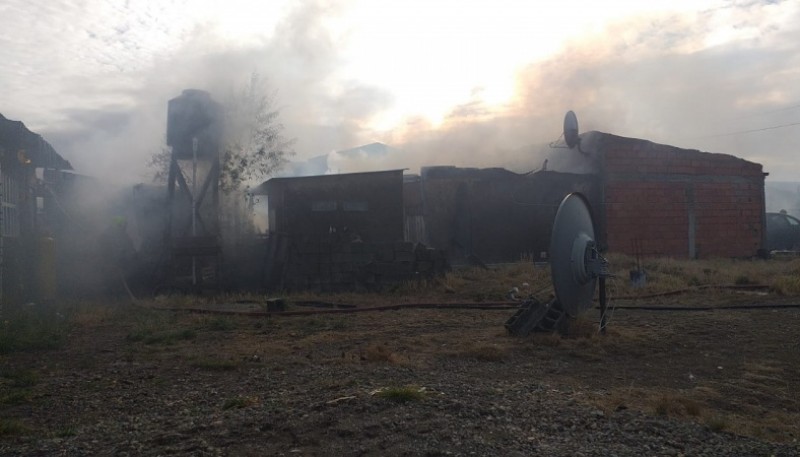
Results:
136 381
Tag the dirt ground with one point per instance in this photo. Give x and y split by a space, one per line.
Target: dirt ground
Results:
136 381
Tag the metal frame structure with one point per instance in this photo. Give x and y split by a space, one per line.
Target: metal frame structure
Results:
192 234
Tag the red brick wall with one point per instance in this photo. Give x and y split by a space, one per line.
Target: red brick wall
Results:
652 214
666 198
730 218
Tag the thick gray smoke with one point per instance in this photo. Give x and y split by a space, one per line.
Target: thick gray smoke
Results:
649 77
299 63
652 77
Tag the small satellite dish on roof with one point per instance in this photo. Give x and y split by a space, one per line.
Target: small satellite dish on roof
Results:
571 130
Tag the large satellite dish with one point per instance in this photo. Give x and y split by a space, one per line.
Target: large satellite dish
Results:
576 266
571 130
575 262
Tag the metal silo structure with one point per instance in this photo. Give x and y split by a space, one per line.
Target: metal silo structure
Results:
194 132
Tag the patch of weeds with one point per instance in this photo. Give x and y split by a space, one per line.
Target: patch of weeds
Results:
171 337
215 364
402 394
21 378
267 324
239 402
672 405
485 352
322 324
742 280
411 287
32 329
717 423
339 323
65 432
156 327
137 335
382 353
13 427
692 407
91 314
547 339
787 285
581 327
16 398
163 337
220 324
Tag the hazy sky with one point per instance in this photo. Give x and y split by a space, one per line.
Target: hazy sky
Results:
449 82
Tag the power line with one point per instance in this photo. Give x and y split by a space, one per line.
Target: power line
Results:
778 110
750 131
783 109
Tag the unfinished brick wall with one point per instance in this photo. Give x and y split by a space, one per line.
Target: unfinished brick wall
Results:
662 200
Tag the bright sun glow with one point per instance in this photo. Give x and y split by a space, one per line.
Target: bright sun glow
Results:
240 21
434 56
437 55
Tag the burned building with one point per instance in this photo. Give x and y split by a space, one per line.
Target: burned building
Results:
647 198
341 232
368 206
489 215
27 254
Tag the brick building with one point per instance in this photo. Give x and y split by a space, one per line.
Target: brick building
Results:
646 198
677 202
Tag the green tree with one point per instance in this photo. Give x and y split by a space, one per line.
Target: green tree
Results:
254 146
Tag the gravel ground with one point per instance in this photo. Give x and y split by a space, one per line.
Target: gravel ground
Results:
313 386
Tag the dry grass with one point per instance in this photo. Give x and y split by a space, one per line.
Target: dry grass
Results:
660 401
477 284
670 404
702 405
19 378
362 338
382 353
663 275
215 364
88 314
239 402
581 327
485 352
666 274
13 427
32 328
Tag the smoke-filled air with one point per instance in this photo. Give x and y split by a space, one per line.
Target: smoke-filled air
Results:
441 84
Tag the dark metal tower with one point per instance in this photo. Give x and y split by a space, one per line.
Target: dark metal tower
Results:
194 131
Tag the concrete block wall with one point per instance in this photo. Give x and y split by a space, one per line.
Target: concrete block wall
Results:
667 201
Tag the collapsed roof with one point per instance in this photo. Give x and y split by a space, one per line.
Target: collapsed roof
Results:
15 137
